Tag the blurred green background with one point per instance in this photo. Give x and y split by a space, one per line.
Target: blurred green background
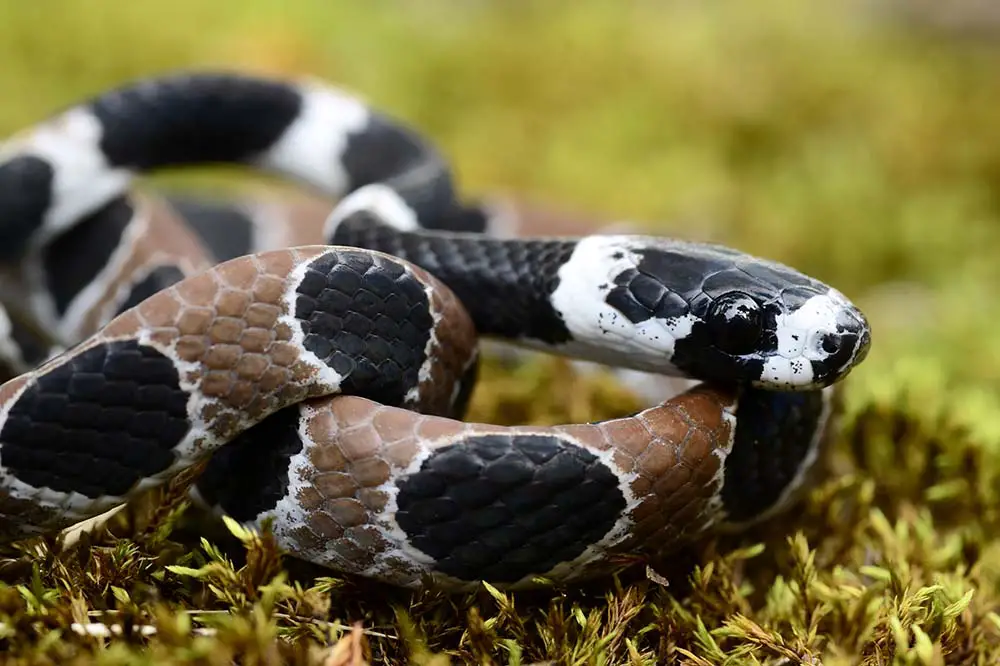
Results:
856 146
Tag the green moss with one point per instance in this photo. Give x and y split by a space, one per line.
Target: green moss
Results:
897 566
854 151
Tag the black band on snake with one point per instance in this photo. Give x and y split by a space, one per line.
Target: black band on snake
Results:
324 372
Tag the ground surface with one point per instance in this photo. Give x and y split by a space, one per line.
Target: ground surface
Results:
865 155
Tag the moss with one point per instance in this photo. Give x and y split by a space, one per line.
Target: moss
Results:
892 567
853 150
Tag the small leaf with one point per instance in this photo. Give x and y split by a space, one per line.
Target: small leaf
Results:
237 530
514 652
185 571
923 645
121 595
877 573
958 607
501 599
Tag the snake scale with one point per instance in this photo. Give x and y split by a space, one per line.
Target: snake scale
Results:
322 372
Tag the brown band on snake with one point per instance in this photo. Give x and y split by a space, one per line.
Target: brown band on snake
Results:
447 383
669 458
192 367
222 333
155 238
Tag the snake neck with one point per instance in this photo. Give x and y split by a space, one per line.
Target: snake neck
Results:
505 284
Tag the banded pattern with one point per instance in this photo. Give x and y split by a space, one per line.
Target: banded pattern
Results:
322 369
193 366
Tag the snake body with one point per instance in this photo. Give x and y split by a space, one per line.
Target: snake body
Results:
323 374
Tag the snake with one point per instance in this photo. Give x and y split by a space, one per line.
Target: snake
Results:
321 375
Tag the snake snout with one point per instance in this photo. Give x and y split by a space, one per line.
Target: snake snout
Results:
864 345
858 333
844 345
819 342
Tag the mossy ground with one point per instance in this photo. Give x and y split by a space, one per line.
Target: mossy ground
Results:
861 153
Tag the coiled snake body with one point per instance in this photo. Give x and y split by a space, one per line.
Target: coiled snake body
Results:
324 375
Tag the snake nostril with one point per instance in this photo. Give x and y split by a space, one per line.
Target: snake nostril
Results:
830 343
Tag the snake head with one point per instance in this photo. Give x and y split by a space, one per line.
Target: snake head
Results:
707 312
779 336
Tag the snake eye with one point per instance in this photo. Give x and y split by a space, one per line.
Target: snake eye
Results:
734 322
